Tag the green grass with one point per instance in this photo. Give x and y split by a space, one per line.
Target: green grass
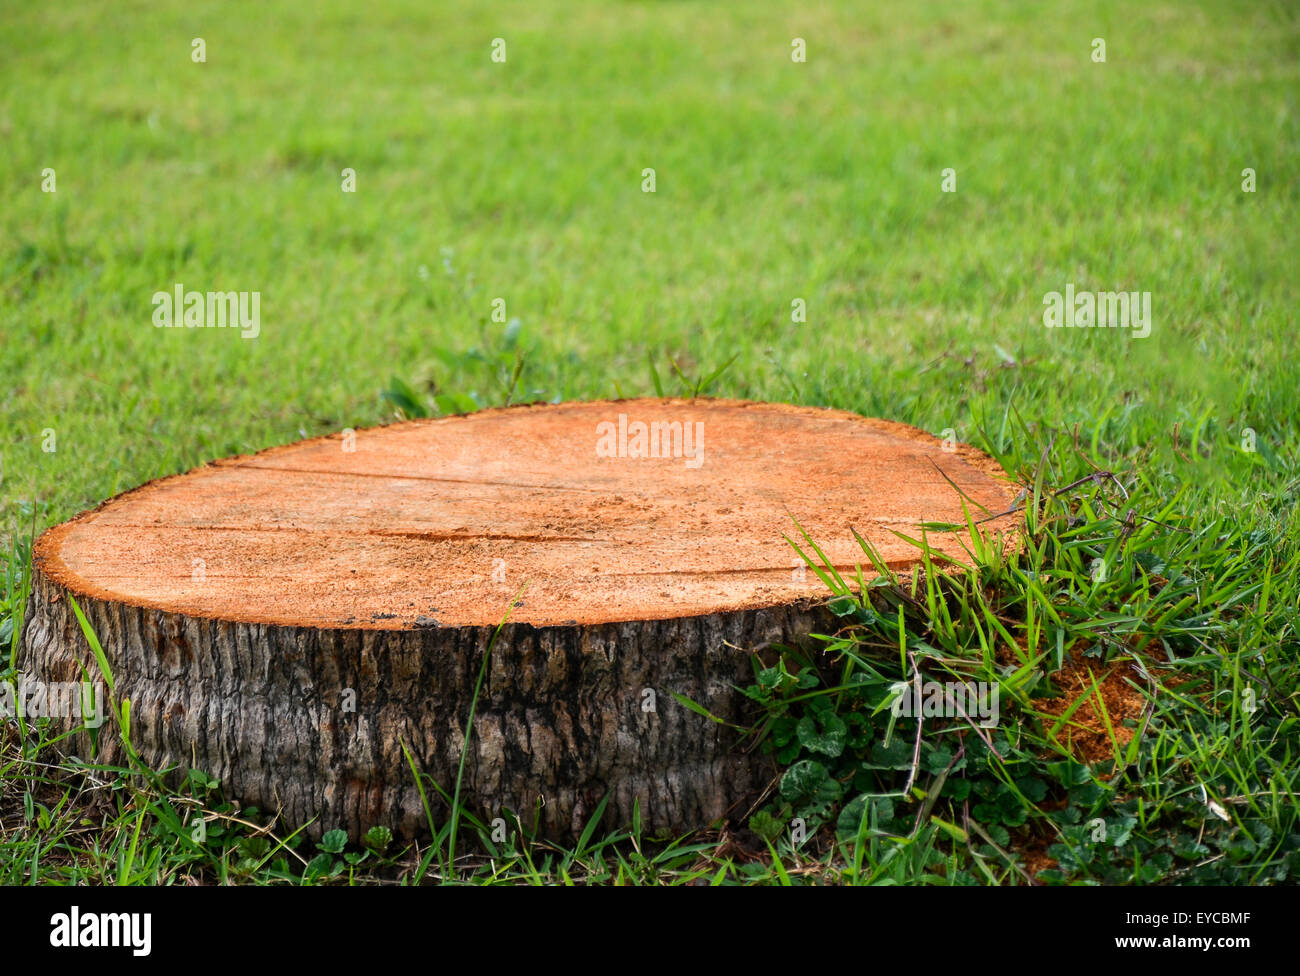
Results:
775 181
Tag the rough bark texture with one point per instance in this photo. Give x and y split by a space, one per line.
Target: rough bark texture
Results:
310 722
348 592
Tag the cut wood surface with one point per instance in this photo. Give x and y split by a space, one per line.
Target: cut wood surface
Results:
285 621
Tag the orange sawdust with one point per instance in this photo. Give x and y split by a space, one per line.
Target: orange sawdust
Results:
1085 733
1037 859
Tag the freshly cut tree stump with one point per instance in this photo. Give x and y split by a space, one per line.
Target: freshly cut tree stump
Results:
285 622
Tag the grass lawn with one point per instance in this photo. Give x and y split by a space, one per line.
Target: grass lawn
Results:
1145 641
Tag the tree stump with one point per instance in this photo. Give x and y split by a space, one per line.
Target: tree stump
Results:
286 621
